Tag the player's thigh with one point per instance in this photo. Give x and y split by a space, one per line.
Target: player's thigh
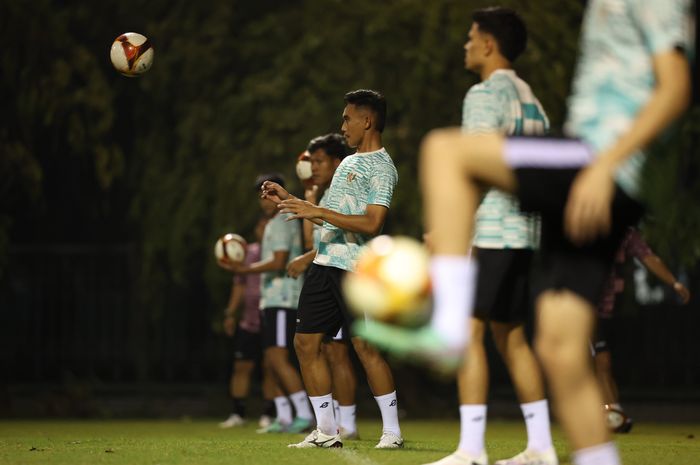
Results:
565 321
319 308
480 157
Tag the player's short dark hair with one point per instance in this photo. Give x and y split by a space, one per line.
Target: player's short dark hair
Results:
506 26
333 144
371 99
274 177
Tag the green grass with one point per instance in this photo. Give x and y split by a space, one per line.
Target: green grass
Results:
202 443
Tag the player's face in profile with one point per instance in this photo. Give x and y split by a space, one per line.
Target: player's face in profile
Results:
268 207
474 49
354 124
323 167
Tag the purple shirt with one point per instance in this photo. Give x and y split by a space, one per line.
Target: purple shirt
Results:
632 246
250 315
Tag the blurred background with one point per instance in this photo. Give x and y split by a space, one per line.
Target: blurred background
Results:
113 190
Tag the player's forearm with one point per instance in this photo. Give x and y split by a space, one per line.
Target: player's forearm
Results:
659 269
669 99
264 266
362 224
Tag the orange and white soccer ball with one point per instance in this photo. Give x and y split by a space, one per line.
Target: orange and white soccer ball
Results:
231 247
131 54
391 282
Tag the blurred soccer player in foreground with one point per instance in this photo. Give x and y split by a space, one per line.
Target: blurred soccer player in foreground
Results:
632 81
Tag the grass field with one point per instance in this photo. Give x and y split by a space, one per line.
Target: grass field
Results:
202 443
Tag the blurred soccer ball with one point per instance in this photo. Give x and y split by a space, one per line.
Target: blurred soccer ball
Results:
391 282
231 247
303 168
131 54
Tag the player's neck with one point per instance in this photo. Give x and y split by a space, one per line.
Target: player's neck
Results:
370 143
491 67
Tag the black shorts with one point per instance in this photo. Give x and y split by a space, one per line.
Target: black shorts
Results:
246 345
278 327
603 332
322 307
503 285
545 169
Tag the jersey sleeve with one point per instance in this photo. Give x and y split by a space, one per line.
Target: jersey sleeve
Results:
482 111
381 185
664 24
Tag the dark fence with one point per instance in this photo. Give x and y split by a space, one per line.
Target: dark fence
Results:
70 314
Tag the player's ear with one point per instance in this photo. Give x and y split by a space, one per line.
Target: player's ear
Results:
368 120
490 45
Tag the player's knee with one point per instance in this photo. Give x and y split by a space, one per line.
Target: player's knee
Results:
305 347
365 352
562 359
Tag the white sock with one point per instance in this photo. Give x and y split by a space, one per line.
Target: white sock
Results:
301 405
284 410
472 428
347 418
454 283
602 454
336 411
539 437
323 408
388 406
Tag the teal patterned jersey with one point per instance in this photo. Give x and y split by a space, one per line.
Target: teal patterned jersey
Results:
504 103
360 180
614 77
317 227
276 288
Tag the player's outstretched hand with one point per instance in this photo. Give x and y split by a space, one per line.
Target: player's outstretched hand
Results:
273 191
587 213
682 292
299 209
296 267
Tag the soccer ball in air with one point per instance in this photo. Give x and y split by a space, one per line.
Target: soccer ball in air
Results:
391 282
303 168
231 247
131 54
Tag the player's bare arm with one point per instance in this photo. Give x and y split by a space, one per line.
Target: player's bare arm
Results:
298 265
370 223
587 212
278 262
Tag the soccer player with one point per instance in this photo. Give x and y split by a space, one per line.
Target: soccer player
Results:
634 246
326 154
632 81
504 240
358 202
279 297
242 323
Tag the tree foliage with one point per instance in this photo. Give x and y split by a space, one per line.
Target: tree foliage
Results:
166 161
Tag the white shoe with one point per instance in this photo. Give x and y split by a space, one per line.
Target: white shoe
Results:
389 440
233 420
346 434
531 457
265 421
317 439
462 458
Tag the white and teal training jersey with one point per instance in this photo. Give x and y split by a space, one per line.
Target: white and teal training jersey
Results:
360 180
317 227
614 76
276 288
504 103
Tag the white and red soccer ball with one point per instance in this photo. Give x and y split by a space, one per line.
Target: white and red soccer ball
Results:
230 247
131 54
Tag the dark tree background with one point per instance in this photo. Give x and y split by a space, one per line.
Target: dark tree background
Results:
132 180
